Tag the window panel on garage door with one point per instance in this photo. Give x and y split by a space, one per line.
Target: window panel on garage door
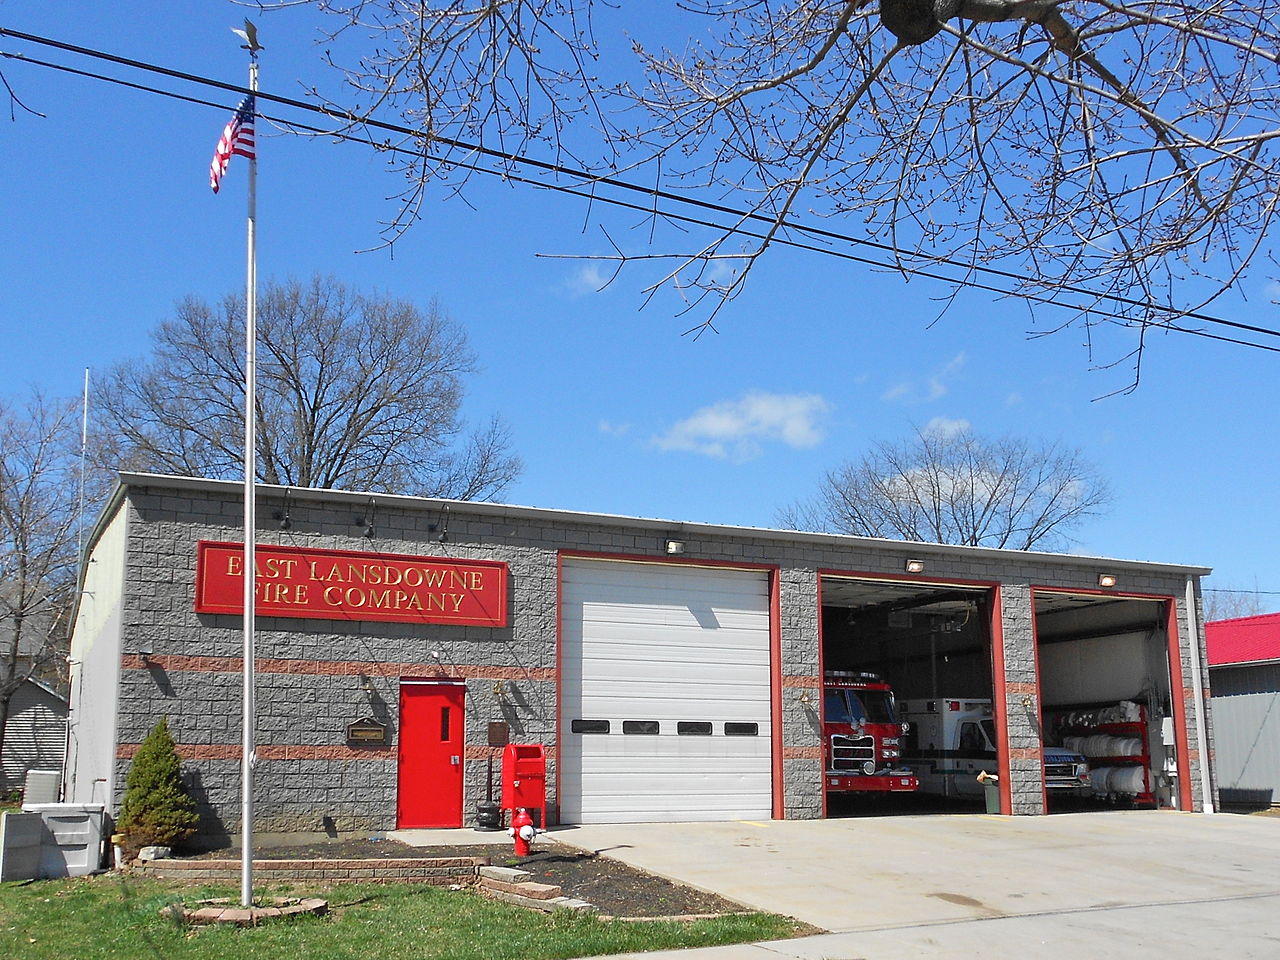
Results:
664 644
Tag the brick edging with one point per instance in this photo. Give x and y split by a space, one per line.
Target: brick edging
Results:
438 871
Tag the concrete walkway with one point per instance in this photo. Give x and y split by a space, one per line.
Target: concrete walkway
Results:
1086 885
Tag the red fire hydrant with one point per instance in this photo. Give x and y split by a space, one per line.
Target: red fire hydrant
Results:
522 831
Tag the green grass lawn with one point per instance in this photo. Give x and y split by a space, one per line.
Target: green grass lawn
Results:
112 917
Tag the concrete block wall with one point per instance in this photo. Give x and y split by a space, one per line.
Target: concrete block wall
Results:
312 673
1020 704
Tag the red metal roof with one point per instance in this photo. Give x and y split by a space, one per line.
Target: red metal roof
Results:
1244 639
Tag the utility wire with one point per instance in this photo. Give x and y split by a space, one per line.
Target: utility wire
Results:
595 181
1269 593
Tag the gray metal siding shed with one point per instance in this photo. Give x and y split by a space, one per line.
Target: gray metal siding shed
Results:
35 735
1246 713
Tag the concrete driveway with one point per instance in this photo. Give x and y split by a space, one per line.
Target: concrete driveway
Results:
1091 885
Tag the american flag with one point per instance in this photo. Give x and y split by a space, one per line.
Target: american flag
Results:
236 141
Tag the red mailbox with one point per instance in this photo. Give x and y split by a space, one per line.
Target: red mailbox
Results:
524 779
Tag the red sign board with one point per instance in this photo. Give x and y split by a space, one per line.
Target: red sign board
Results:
347 585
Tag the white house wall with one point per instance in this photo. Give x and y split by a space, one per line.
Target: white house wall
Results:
95 669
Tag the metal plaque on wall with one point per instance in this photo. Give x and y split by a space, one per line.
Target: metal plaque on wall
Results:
368 732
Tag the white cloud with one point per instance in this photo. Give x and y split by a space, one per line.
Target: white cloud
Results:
724 270
1013 399
738 429
946 427
1272 291
587 279
897 392
613 429
936 386
939 383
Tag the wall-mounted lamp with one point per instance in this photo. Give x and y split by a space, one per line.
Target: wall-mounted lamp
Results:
144 650
1107 580
367 519
674 547
499 689
805 699
283 513
914 566
366 685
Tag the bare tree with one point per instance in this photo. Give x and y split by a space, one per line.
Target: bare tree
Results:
38 551
951 486
354 392
1128 147
1229 603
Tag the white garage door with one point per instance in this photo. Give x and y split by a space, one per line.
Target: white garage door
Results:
664 704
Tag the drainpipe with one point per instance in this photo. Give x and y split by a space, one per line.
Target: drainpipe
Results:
1197 688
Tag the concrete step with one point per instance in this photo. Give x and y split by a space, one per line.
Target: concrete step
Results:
525 888
506 874
546 906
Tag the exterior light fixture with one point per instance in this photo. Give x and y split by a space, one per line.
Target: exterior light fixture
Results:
283 513
674 547
499 689
367 519
1107 580
914 566
805 698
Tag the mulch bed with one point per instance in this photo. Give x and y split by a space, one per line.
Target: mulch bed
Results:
612 887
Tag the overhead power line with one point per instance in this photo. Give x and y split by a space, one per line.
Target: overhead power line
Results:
590 183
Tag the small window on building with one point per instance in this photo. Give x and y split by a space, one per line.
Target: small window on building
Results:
736 728
648 728
589 726
694 728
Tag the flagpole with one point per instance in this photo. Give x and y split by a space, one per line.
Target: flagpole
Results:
248 758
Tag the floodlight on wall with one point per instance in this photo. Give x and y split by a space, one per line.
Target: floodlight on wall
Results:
499 689
805 699
674 547
1107 580
367 519
914 566
283 513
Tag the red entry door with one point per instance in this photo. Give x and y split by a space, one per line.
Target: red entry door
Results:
430 755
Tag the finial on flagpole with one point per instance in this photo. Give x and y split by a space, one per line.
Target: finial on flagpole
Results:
250 37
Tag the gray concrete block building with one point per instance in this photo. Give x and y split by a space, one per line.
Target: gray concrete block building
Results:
667 670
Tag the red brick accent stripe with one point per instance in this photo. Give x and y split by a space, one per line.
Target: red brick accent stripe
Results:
338 668
1024 753
268 751
800 680
478 751
1018 688
802 753
289 751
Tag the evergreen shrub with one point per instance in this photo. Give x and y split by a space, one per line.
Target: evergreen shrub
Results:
157 808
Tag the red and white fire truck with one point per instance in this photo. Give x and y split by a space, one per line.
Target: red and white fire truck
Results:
861 735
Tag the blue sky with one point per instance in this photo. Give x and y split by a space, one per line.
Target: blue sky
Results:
108 220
